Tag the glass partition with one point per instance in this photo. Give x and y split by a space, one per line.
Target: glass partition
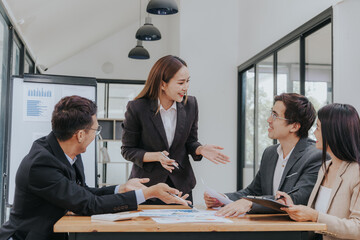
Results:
112 99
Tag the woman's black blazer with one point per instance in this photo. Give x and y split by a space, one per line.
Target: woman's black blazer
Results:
143 131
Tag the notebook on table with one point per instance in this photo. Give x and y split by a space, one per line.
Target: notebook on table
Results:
266 202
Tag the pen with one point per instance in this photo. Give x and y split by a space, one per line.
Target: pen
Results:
288 193
190 205
173 163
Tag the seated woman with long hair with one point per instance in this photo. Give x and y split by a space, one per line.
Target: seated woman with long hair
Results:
335 199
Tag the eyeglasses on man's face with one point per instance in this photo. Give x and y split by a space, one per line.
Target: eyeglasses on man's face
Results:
274 117
97 130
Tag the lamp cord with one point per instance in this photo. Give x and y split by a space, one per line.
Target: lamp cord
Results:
140 15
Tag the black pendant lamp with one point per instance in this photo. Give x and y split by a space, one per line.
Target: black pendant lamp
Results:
148 32
162 7
139 52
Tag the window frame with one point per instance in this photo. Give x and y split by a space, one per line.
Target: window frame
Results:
5 107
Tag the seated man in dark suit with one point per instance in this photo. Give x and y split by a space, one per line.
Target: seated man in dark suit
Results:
292 164
50 180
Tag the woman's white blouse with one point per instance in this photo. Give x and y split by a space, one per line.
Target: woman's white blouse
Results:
169 118
322 199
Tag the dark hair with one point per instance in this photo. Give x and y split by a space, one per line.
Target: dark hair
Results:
340 130
72 114
163 70
298 110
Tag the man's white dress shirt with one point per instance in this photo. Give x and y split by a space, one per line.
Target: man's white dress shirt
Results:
280 166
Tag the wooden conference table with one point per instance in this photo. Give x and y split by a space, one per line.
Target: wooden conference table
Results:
250 226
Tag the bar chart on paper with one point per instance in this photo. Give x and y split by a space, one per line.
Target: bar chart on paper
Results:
38 102
39 93
34 108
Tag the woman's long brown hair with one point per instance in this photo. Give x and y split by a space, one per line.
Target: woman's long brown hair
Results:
163 70
340 130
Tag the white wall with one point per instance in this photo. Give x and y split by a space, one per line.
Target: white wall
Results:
347 52
209 42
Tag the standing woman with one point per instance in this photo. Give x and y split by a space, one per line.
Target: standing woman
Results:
160 129
335 199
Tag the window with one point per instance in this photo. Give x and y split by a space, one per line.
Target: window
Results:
29 66
288 72
318 67
264 93
16 57
248 139
301 62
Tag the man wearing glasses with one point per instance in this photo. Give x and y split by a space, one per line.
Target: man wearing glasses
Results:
50 180
292 164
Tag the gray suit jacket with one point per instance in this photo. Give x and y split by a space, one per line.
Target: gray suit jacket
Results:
300 172
143 131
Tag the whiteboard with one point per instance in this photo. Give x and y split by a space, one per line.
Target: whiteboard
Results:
32 106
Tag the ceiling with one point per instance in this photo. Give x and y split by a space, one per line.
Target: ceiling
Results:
55 30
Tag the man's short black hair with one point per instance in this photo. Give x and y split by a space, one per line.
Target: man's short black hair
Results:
72 114
298 109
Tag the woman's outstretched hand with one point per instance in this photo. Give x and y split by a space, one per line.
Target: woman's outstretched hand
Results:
212 153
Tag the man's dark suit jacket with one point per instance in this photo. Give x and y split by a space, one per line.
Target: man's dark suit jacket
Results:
300 172
47 186
143 131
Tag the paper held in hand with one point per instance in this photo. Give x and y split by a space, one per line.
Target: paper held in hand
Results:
214 194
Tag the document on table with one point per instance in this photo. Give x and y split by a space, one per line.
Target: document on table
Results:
183 216
165 216
184 213
168 212
114 216
213 219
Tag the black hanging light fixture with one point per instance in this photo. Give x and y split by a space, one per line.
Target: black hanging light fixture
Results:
139 52
148 32
162 7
